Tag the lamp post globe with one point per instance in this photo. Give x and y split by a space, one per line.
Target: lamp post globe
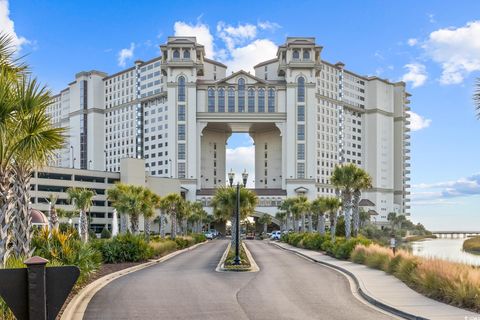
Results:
245 177
231 176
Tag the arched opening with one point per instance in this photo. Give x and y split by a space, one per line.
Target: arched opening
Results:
240 156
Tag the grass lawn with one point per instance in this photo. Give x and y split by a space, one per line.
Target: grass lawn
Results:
472 245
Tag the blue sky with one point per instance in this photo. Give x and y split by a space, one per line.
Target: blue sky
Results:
433 45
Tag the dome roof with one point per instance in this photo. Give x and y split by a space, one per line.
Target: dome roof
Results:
38 217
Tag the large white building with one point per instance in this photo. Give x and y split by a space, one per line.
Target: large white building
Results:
304 114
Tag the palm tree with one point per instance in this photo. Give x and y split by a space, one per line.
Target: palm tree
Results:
364 218
115 195
172 204
332 206
151 203
52 199
392 217
301 206
362 181
224 204
319 207
82 200
282 216
287 206
344 179
265 220
27 140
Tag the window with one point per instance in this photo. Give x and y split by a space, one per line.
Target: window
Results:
301 132
186 54
271 100
181 113
181 151
301 89
300 170
241 95
176 54
211 100
296 54
251 100
231 100
261 100
301 113
301 151
221 100
181 132
181 170
181 89
306 54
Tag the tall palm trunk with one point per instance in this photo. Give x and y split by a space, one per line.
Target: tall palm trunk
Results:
54 218
333 225
6 211
146 227
162 224
22 222
347 200
123 222
310 222
173 233
321 224
303 222
134 223
265 226
83 226
356 214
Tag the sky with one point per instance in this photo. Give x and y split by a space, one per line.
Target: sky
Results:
434 46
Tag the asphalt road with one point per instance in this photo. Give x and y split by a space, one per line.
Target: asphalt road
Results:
188 287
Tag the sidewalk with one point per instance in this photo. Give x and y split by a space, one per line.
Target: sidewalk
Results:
386 291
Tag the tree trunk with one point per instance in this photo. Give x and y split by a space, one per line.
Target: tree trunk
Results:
83 226
162 224
321 224
356 215
6 211
310 223
54 218
265 227
146 227
333 225
303 222
123 223
173 233
22 223
134 223
347 215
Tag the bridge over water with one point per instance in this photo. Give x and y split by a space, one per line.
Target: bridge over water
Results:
455 234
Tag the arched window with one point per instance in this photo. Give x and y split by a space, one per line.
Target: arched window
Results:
231 100
251 100
221 100
261 100
301 89
306 54
176 54
186 54
241 95
181 89
271 100
211 100
296 54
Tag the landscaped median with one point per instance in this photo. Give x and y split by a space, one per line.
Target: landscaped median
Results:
472 245
227 262
452 283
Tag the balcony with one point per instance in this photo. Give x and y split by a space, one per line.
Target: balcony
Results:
406 165
407 171
406 143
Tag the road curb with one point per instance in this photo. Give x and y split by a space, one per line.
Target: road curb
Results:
221 265
76 308
363 294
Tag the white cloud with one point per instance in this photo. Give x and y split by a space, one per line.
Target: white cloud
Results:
412 41
462 187
417 122
267 25
457 50
239 159
244 58
416 74
199 30
126 54
7 26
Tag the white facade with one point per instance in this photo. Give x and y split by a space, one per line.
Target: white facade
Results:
304 114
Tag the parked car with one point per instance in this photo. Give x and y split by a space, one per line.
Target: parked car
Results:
208 235
276 235
214 232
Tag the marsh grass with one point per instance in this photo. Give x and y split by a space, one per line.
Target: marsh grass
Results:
453 283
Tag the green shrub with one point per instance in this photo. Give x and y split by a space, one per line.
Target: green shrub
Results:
68 228
295 238
285 237
199 237
124 248
327 246
92 235
343 248
65 249
106 234
313 241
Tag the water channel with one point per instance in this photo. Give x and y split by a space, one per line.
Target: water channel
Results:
446 249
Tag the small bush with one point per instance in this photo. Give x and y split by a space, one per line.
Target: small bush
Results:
124 248
295 238
161 248
199 237
92 235
106 234
313 241
343 248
